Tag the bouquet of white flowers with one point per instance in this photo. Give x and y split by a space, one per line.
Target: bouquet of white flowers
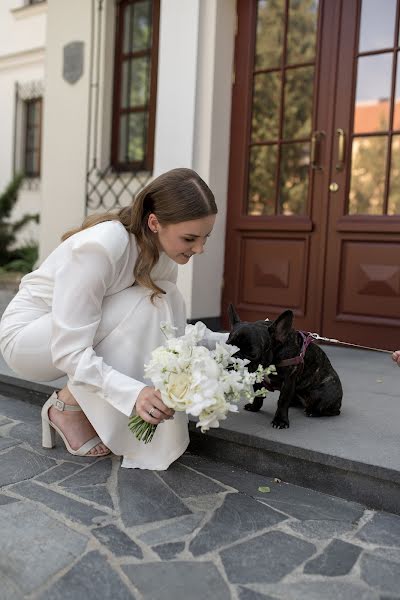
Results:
204 383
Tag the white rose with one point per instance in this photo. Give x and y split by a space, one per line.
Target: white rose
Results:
177 391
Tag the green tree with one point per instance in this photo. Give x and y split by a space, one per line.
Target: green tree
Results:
11 258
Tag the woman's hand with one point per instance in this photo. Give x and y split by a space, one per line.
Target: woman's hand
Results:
149 400
396 357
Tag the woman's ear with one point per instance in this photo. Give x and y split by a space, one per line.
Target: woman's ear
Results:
153 223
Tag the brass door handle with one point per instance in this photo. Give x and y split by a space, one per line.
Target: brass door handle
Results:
341 155
315 149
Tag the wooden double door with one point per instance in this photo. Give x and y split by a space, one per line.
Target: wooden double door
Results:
314 179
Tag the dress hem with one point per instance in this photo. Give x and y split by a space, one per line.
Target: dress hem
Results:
130 464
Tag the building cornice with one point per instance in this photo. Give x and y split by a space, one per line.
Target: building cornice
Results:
30 10
21 59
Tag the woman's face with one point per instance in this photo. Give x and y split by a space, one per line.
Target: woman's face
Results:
180 241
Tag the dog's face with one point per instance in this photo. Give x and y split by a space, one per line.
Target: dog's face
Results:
258 341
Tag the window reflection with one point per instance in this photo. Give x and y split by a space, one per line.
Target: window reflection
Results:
394 190
294 169
135 75
266 100
302 31
298 102
297 83
372 107
396 118
377 24
262 169
132 137
137 27
368 162
269 34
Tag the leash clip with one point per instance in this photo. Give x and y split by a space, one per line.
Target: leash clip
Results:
316 336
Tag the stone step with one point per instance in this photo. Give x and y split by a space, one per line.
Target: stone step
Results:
355 456
375 486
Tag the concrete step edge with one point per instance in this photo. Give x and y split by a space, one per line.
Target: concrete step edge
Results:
372 485
375 487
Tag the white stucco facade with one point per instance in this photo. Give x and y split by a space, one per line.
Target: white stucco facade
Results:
196 41
22 55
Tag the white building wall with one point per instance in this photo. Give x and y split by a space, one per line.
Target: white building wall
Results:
22 41
192 121
212 143
65 124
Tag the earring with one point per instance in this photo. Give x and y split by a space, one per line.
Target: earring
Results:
155 231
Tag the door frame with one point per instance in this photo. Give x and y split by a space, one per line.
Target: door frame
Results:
313 226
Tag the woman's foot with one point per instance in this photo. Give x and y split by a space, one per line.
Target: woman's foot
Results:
75 425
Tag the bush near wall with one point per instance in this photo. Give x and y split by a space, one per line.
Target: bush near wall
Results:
18 259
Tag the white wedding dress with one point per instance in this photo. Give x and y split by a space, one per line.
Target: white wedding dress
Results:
80 314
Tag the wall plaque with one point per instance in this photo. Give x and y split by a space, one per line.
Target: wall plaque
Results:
73 61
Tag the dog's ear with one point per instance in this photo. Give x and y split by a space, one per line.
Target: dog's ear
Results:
282 325
233 316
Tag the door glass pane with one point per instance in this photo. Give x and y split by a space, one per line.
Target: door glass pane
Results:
302 31
132 137
137 26
294 172
262 168
378 19
266 100
135 82
394 190
368 163
299 90
269 33
371 111
396 118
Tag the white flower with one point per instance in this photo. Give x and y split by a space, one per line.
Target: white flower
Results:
167 329
203 383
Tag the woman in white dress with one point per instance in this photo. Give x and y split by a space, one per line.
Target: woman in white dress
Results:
93 310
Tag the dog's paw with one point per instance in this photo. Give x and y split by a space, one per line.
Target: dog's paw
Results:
280 423
251 407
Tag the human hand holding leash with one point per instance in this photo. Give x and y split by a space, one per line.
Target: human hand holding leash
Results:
396 357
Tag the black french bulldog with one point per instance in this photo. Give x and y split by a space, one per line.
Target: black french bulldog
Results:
305 376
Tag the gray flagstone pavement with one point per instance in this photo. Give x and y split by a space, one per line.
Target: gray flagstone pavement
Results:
86 529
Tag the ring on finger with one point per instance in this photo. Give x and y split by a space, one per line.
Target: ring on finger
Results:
151 411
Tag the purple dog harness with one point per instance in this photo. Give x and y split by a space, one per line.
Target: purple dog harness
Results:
308 338
298 360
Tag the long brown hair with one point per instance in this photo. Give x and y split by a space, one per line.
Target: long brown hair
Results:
175 196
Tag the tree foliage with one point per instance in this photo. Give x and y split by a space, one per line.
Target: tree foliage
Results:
26 255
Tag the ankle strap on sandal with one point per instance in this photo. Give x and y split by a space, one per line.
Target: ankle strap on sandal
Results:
61 406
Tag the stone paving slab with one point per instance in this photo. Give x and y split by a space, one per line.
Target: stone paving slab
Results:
215 533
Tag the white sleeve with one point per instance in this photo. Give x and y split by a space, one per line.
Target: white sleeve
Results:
80 285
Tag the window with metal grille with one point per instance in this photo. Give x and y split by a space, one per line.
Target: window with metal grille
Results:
33 127
135 85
